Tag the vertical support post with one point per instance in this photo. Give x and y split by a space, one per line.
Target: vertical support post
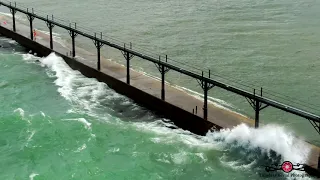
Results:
51 40
31 28
13 11
257 109
73 44
98 45
98 52
128 67
205 105
162 83
319 161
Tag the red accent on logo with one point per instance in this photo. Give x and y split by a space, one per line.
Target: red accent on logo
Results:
287 166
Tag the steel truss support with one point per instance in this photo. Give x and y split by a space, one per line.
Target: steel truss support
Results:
73 36
128 57
50 26
316 125
257 107
31 18
163 70
98 45
205 87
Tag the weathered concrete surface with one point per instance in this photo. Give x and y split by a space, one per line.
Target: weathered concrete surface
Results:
144 90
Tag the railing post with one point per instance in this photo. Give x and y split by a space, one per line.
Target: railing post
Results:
31 30
50 26
14 21
51 39
13 12
205 105
30 18
257 110
73 45
98 45
98 52
162 83
128 67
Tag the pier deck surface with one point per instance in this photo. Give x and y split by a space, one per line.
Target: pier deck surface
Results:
219 116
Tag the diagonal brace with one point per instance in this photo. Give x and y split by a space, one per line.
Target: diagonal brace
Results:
315 125
127 55
50 25
203 85
72 33
30 17
13 11
97 43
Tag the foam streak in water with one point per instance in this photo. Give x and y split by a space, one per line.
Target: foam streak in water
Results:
87 125
32 175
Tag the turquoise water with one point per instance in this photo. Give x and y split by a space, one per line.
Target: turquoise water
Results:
57 124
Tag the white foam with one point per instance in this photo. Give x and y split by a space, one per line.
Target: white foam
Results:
86 124
237 165
201 156
84 146
31 135
13 42
269 137
21 112
42 114
167 135
163 160
28 57
32 175
113 150
180 158
85 94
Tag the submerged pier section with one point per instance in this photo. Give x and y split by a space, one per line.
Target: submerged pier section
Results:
192 122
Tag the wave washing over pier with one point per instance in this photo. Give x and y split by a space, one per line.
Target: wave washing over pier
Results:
232 152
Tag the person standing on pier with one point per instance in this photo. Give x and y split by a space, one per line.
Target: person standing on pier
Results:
34 35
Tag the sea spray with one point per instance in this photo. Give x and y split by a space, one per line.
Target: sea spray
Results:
88 94
268 139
